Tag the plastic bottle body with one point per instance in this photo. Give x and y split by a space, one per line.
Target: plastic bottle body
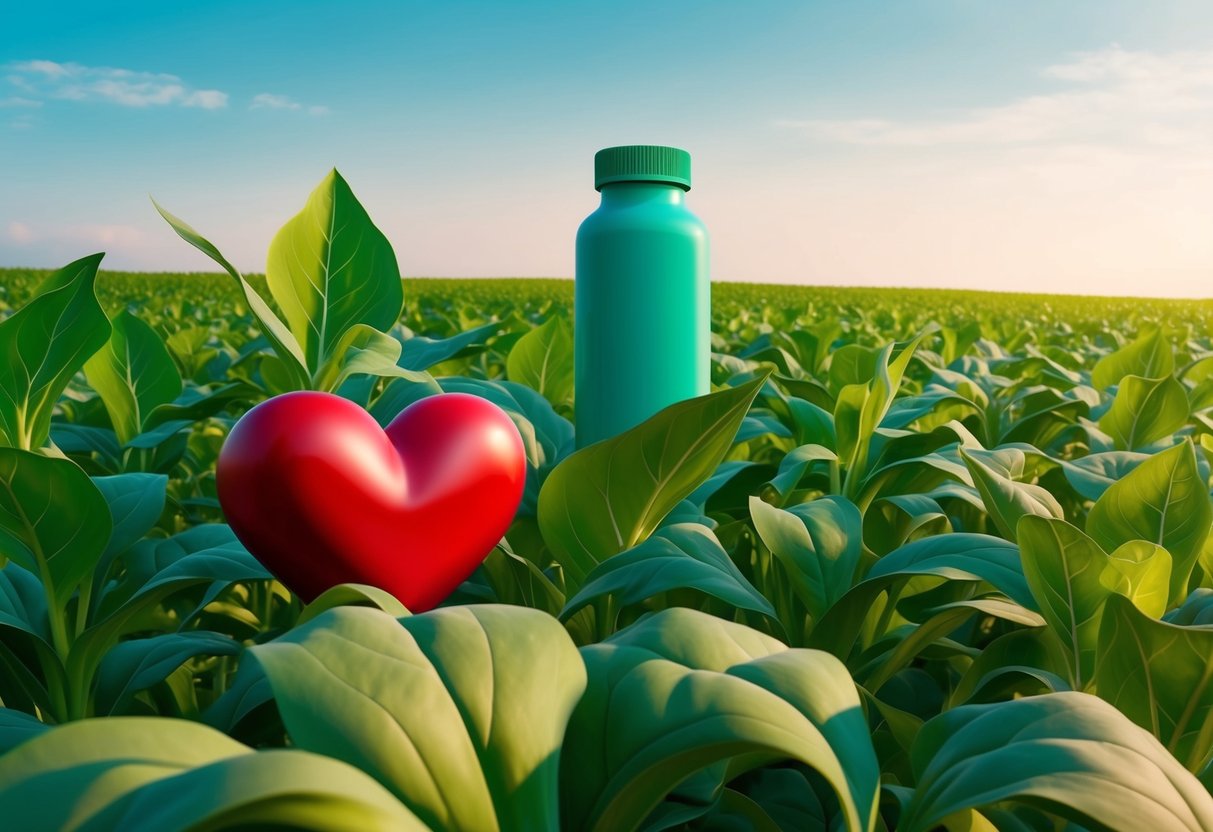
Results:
641 308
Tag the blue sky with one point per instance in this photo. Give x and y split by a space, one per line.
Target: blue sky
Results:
1039 146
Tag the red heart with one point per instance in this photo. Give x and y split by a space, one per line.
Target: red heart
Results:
321 495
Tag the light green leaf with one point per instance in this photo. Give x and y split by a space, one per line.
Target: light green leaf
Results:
446 709
611 495
819 544
1068 753
53 520
133 374
1144 411
1141 572
1149 356
42 345
1160 676
280 338
682 690
363 349
542 359
1006 500
1164 501
330 269
1065 570
680 556
124 773
352 595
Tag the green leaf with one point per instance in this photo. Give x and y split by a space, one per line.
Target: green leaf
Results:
1067 753
956 556
133 374
53 520
1066 570
329 268
285 346
1006 500
819 544
364 350
1141 572
861 408
1164 501
136 772
42 345
681 556
1160 676
138 664
446 709
611 495
135 502
17 727
352 595
682 690
1144 411
1149 356
542 359
421 353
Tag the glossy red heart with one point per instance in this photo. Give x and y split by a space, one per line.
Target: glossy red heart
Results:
322 495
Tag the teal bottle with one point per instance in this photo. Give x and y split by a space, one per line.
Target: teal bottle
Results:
641 330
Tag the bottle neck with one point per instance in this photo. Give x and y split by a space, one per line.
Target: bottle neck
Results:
635 193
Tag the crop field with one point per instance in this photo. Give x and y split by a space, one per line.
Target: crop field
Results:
922 560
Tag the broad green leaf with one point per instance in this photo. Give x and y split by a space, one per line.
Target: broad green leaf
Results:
42 345
352 595
1160 676
819 545
1144 411
1068 753
1006 500
1094 474
329 268
133 374
680 556
285 346
362 349
956 556
17 727
611 495
421 353
861 408
135 503
138 664
53 520
794 464
1149 356
1066 570
124 773
1141 572
446 709
681 690
1164 501
542 359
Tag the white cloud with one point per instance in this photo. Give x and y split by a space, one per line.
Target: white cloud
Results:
273 101
125 87
18 101
1116 96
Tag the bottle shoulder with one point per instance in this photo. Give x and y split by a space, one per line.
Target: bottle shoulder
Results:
612 219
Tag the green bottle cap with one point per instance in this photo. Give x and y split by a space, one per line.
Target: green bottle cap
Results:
642 163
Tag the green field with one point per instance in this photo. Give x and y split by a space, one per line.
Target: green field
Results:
923 559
